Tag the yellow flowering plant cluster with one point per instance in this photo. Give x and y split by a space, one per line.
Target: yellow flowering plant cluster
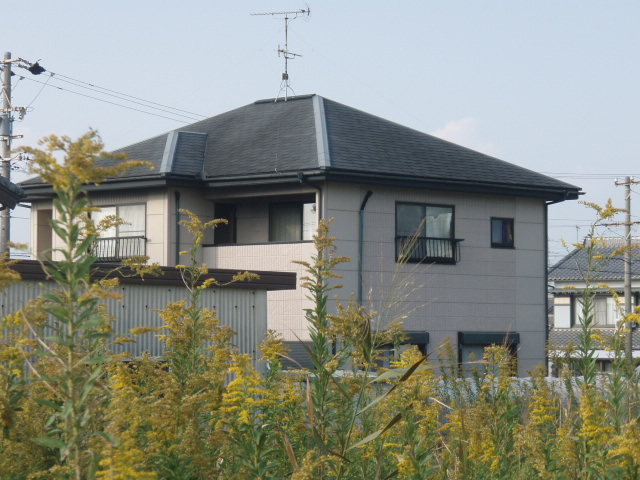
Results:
71 409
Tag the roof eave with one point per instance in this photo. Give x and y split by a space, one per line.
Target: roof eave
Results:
327 174
45 190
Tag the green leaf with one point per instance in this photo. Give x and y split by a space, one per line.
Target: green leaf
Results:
53 272
375 435
376 400
367 341
341 387
84 246
323 448
50 442
391 475
47 403
101 359
60 230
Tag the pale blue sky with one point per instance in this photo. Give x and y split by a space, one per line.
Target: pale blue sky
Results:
549 85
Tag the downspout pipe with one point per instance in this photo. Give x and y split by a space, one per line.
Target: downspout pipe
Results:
304 181
177 197
361 242
546 283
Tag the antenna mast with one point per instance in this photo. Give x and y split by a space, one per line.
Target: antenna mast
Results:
285 85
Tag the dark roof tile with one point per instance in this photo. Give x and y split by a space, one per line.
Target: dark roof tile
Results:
273 137
563 337
570 268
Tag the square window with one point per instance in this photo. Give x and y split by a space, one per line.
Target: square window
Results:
425 233
502 233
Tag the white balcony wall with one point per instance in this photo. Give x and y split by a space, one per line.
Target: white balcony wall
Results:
285 308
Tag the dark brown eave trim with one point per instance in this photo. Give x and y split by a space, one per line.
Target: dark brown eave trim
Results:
44 190
553 194
32 270
557 194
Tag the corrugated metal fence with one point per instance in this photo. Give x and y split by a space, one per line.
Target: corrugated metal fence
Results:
242 309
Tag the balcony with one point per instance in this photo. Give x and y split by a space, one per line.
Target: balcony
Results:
427 250
116 249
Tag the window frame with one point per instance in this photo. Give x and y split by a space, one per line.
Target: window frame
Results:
483 340
454 258
300 223
230 228
503 244
113 242
117 207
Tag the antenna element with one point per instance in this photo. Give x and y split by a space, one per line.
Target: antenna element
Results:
285 85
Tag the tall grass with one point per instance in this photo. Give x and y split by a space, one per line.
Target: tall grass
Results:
69 408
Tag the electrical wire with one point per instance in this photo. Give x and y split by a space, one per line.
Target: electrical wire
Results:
39 91
606 175
111 103
120 97
71 80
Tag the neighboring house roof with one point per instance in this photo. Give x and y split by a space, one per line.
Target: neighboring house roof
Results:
10 193
572 266
563 337
275 141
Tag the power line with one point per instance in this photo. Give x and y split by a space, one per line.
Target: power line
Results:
39 91
606 175
119 95
112 103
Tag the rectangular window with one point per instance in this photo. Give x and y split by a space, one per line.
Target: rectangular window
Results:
124 240
225 233
502 232
292 221
606 311
472 347
425 233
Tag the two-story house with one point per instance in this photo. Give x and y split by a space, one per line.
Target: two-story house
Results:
568 277
476 269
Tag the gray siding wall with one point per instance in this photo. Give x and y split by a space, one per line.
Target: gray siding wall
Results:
489 290
244 310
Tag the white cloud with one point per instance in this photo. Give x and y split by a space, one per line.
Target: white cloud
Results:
465 132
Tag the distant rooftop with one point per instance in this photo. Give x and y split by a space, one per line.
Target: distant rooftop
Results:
571 266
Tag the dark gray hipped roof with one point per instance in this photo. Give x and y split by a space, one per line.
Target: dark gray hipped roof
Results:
275 140
10 193
572 266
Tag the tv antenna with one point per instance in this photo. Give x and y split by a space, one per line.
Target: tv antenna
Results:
288 55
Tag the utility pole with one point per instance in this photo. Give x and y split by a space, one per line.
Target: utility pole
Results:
628 310
627 265
5 134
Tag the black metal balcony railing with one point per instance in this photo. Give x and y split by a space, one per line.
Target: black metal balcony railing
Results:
428 249
118 248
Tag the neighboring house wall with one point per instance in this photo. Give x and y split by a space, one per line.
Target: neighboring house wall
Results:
607 309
